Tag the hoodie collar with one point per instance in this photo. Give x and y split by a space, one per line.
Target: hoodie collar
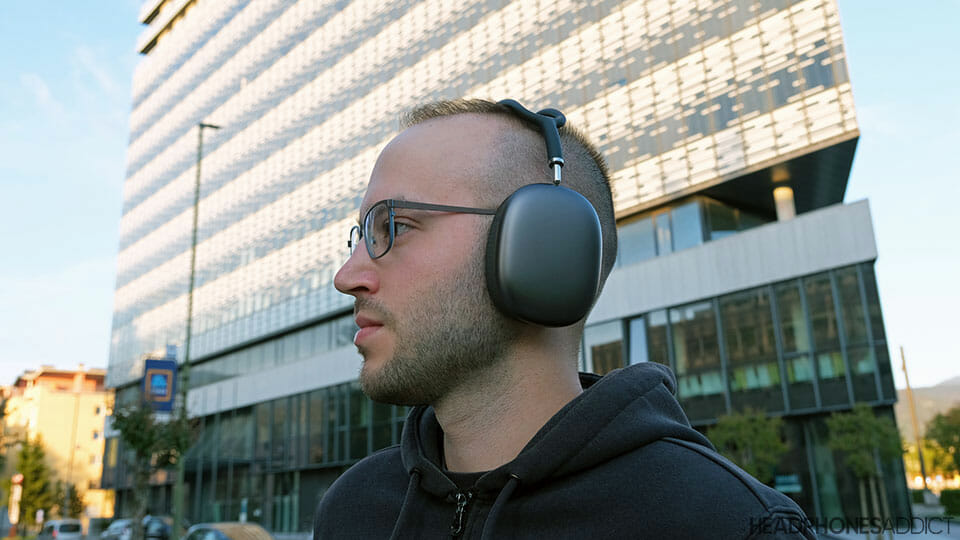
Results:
615 414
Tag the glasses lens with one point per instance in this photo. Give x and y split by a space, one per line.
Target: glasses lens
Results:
354 240
376 230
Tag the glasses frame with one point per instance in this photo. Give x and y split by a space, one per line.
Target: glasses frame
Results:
356 232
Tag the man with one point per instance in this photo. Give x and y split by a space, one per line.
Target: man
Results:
507 440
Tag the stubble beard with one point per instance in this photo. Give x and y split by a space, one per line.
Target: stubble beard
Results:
453 334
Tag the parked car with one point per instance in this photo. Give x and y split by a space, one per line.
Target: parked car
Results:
157 528
119 529
61 529
154 528
227 531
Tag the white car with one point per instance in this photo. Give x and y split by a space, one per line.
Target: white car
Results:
61 529
118 530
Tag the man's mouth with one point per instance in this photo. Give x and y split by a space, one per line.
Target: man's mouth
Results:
368 327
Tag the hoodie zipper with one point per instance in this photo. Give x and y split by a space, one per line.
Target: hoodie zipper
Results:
462 499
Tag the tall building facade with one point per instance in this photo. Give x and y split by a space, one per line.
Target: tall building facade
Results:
729 128
64 409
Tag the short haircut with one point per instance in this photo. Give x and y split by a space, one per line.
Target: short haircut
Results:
521 159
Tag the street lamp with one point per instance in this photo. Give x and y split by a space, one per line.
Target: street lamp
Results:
185 369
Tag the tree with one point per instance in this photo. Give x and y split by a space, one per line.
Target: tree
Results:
70 500
3 442
862 439
944 432
154 444
39 491
751 440
935 460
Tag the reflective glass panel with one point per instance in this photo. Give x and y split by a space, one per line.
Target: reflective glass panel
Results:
696 352
603 345
800 380
359 420
722 220
687 226
863 366
753 371
657 341
793 324
664 240
854 319
873 301
638 340
833 378
636 241
317 430
822 313
886 377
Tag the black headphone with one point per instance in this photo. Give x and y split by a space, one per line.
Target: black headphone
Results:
544 250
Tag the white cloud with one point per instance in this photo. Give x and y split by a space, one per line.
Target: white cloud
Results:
87 60
41 93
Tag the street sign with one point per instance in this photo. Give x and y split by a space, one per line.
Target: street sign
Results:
160 383
13 512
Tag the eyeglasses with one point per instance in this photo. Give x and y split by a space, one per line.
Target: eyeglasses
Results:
378 229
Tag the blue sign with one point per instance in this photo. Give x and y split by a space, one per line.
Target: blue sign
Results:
160 383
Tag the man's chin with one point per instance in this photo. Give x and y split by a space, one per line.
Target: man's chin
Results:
383 387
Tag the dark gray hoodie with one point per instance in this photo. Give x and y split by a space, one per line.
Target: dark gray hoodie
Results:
619 461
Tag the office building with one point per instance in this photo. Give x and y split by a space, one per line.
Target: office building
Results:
729 128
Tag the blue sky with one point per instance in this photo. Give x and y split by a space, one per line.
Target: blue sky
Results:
65 76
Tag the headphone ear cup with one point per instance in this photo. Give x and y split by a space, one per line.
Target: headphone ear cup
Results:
543 255
492 257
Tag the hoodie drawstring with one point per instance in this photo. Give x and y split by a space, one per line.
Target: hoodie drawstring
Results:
498 505
411 489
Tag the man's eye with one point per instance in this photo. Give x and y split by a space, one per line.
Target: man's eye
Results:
399 228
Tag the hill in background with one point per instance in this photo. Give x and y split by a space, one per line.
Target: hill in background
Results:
930 401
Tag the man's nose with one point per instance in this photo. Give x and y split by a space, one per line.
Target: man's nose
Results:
357 275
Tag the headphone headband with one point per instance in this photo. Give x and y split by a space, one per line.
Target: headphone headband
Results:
549 121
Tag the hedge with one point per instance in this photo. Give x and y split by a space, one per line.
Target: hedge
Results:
950 499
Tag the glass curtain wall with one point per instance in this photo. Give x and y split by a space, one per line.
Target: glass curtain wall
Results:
679 227
754 375
258 461
800 345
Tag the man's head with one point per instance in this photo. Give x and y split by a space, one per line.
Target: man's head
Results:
427 321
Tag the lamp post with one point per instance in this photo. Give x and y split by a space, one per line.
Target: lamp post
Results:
913 418
185 369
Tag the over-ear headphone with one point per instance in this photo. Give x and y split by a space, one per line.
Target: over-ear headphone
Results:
544 250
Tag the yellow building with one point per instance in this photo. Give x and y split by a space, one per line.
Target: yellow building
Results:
66 409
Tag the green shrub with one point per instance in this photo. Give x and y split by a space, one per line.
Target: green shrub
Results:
916 496
950 499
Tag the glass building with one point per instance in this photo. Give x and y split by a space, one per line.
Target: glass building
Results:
729 128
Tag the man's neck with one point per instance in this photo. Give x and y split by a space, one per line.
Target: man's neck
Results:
488 422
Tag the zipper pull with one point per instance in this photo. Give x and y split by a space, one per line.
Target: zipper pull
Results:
461 499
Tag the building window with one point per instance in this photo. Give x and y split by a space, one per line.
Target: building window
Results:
687 226
638 341
636 241
753 371
722 220
658 342
696 354
822 312
795 340
96 435
664 239
603 345
854 319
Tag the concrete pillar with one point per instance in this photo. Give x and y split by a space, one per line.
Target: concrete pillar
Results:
783 198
